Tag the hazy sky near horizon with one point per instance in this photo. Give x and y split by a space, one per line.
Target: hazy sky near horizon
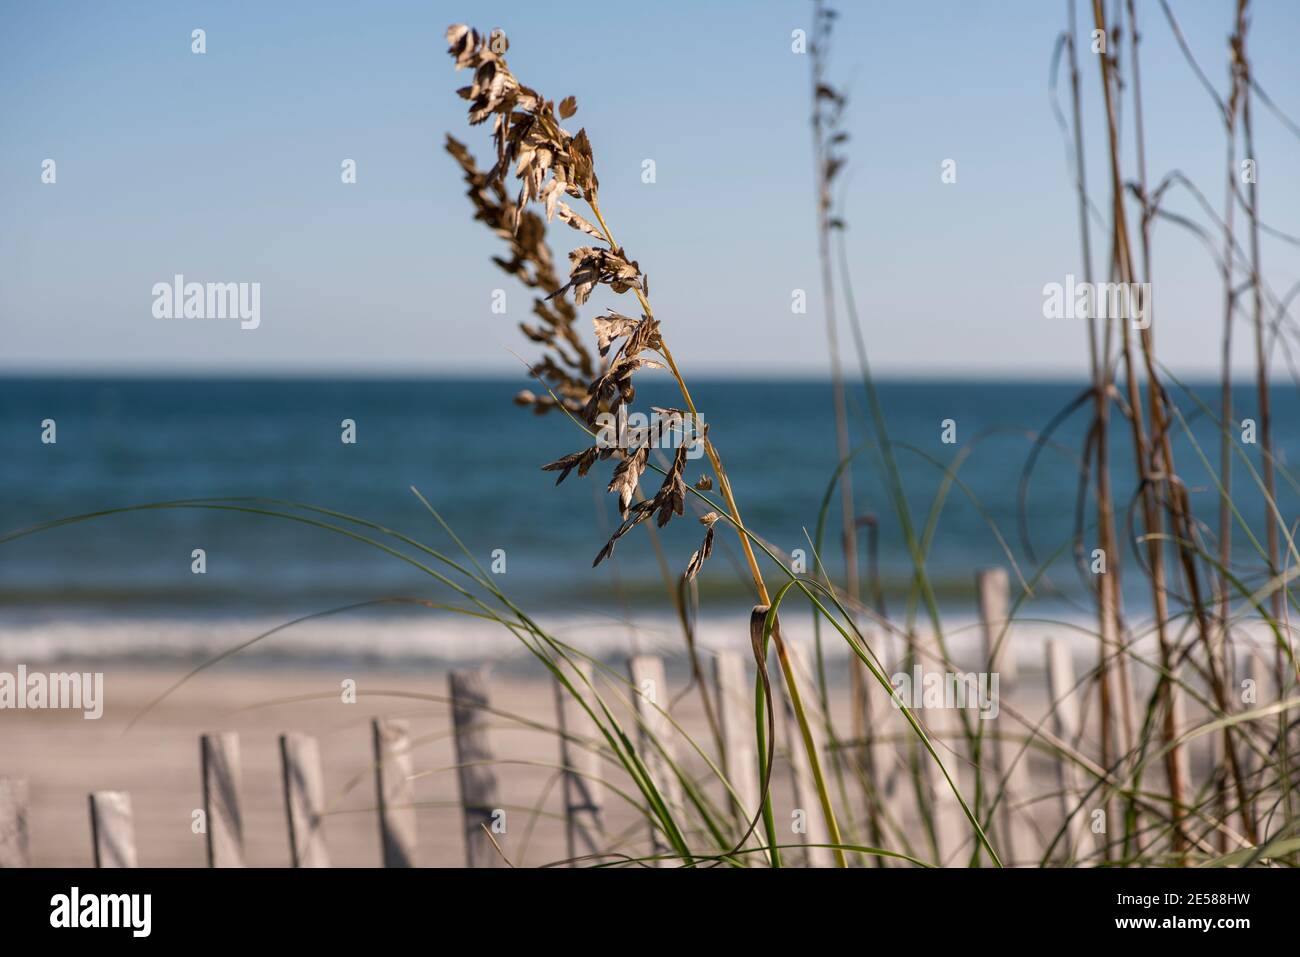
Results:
225 167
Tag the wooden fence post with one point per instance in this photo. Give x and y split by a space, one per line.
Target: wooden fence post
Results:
890 737
395 791
650 699
1015 836
475 771
225 825
1264 673
14 850
943 728
582 788
304 799
112 833
735 696
805 787
1064 701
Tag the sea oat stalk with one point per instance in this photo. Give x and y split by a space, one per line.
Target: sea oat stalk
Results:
553 165
827 111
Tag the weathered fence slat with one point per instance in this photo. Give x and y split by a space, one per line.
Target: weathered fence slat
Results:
735 696
112 833
395 791
13 823
1063 699
889 732
582 787
1264 673
942 726
650 698
304 799
805 786
221 811
475 771
856 757
1008 760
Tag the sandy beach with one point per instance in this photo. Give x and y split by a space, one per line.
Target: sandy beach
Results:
154 753
64 757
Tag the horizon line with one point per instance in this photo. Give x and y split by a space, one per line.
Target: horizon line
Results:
288 373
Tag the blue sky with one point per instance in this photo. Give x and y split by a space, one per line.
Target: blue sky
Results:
225 167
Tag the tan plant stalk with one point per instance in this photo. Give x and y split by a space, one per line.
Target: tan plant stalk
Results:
1187 534
1230 111
1276 602
827 107
1113 652
1257 313
1144 451
552 164
1216 644
1160 473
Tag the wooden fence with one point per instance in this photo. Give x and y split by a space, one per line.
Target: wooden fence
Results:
583 789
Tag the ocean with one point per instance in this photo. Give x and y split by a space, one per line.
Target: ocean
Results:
124 585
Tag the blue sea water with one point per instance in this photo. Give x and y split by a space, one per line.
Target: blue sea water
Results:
477 458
